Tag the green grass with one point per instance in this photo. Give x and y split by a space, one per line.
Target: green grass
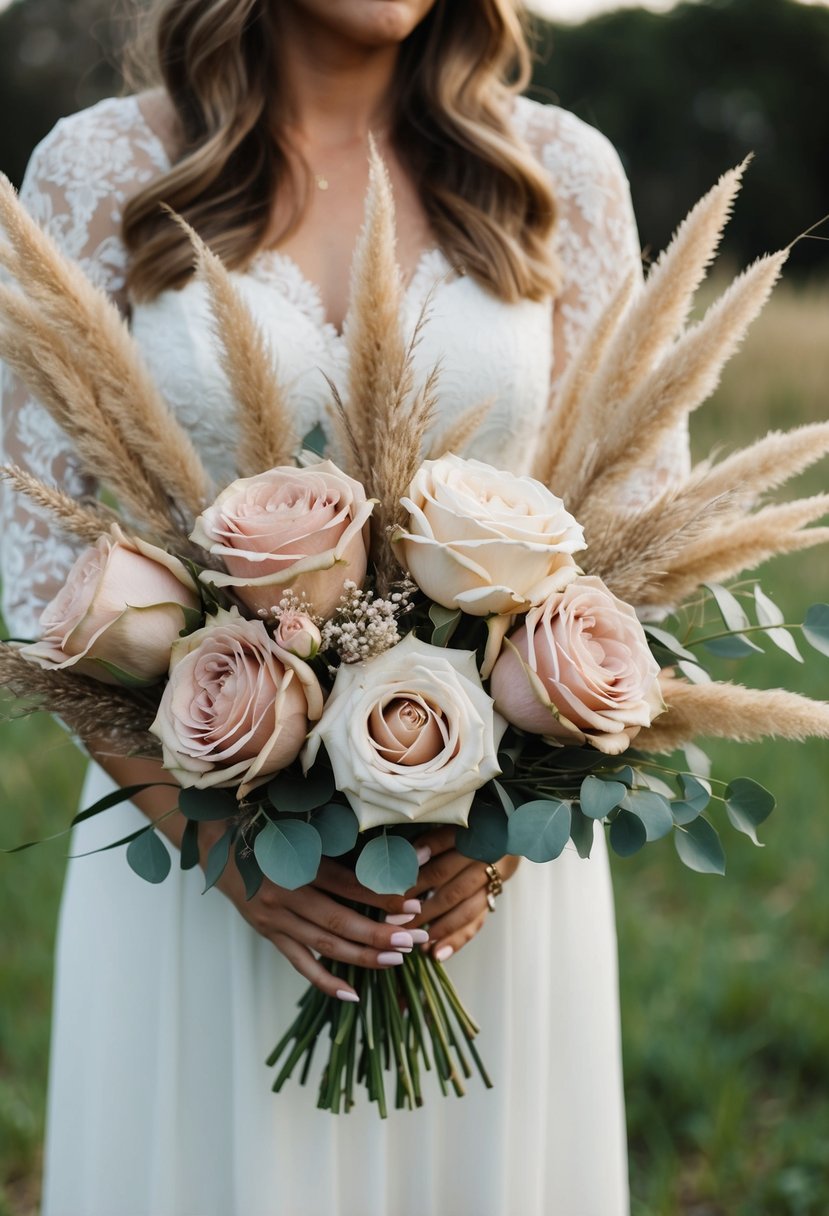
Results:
725 984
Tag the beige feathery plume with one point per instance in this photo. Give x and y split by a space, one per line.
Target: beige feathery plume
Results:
266 433
376 347
650 324
729 711
86 522
763 466
562 412
737 544
98 335
88 708
64 382
457 435
687 376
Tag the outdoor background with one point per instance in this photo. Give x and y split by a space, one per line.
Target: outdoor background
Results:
725 982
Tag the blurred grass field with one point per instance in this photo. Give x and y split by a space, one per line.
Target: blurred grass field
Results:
725 982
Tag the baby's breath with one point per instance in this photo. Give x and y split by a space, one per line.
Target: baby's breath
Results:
366 625
290 602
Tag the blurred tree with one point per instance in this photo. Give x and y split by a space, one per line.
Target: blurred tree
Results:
683 95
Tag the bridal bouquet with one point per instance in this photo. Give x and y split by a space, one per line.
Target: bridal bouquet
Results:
330 655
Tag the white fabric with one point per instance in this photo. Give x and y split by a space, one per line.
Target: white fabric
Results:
166 1002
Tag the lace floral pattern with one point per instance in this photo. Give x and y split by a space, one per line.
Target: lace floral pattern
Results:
76 185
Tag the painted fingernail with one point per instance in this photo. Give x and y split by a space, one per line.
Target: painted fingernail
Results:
400 918
413 905
423 854
344 995
405 949
419 936
389 958
401 939
444 953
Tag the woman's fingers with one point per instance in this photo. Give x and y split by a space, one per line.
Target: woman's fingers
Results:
329 945
303 961
450 933
458 879
333 918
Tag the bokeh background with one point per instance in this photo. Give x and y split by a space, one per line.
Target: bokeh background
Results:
725 982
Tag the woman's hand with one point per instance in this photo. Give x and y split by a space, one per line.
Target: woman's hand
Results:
310 920
457 907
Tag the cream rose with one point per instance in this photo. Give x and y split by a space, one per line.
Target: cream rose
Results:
237 706
306 529
483 540
579 669
411 735
123 605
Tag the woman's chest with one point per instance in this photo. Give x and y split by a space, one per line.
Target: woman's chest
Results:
488 352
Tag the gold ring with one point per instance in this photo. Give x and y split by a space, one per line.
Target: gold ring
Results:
494 885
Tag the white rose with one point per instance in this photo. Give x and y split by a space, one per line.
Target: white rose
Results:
411 735
484 540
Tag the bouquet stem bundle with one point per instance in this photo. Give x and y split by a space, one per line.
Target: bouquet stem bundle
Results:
409 1018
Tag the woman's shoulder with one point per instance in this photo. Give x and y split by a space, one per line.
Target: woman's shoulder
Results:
109 141
570 149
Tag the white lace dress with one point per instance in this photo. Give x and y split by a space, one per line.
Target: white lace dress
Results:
166 1001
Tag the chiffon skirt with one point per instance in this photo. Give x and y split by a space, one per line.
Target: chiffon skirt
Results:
167 1004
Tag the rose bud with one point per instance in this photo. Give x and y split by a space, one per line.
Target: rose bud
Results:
298 634
237 706
123 605
304 529
579 670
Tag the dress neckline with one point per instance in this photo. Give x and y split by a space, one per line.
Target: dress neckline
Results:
273 265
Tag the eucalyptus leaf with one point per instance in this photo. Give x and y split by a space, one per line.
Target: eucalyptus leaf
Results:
582 831
539 830
653 810
388 865
338 828
684 812
694 673
485 838
204 805
148 857
731 610
667 641
503 797
288 852
698 761
626 775
695 790
248 867
738 646
597 798
189 852
217 858
748 804
816 627
699 848
315 440
445 621
770 615
295 794
627 834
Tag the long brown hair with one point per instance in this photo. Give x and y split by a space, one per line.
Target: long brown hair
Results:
487 199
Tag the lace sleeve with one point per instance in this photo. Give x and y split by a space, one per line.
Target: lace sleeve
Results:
598 244
75 186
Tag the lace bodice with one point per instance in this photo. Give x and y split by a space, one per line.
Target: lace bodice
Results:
76 185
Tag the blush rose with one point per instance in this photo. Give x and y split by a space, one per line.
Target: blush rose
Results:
300 528
123 605
237 706
579 670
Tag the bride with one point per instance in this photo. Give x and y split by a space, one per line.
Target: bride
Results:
514 221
